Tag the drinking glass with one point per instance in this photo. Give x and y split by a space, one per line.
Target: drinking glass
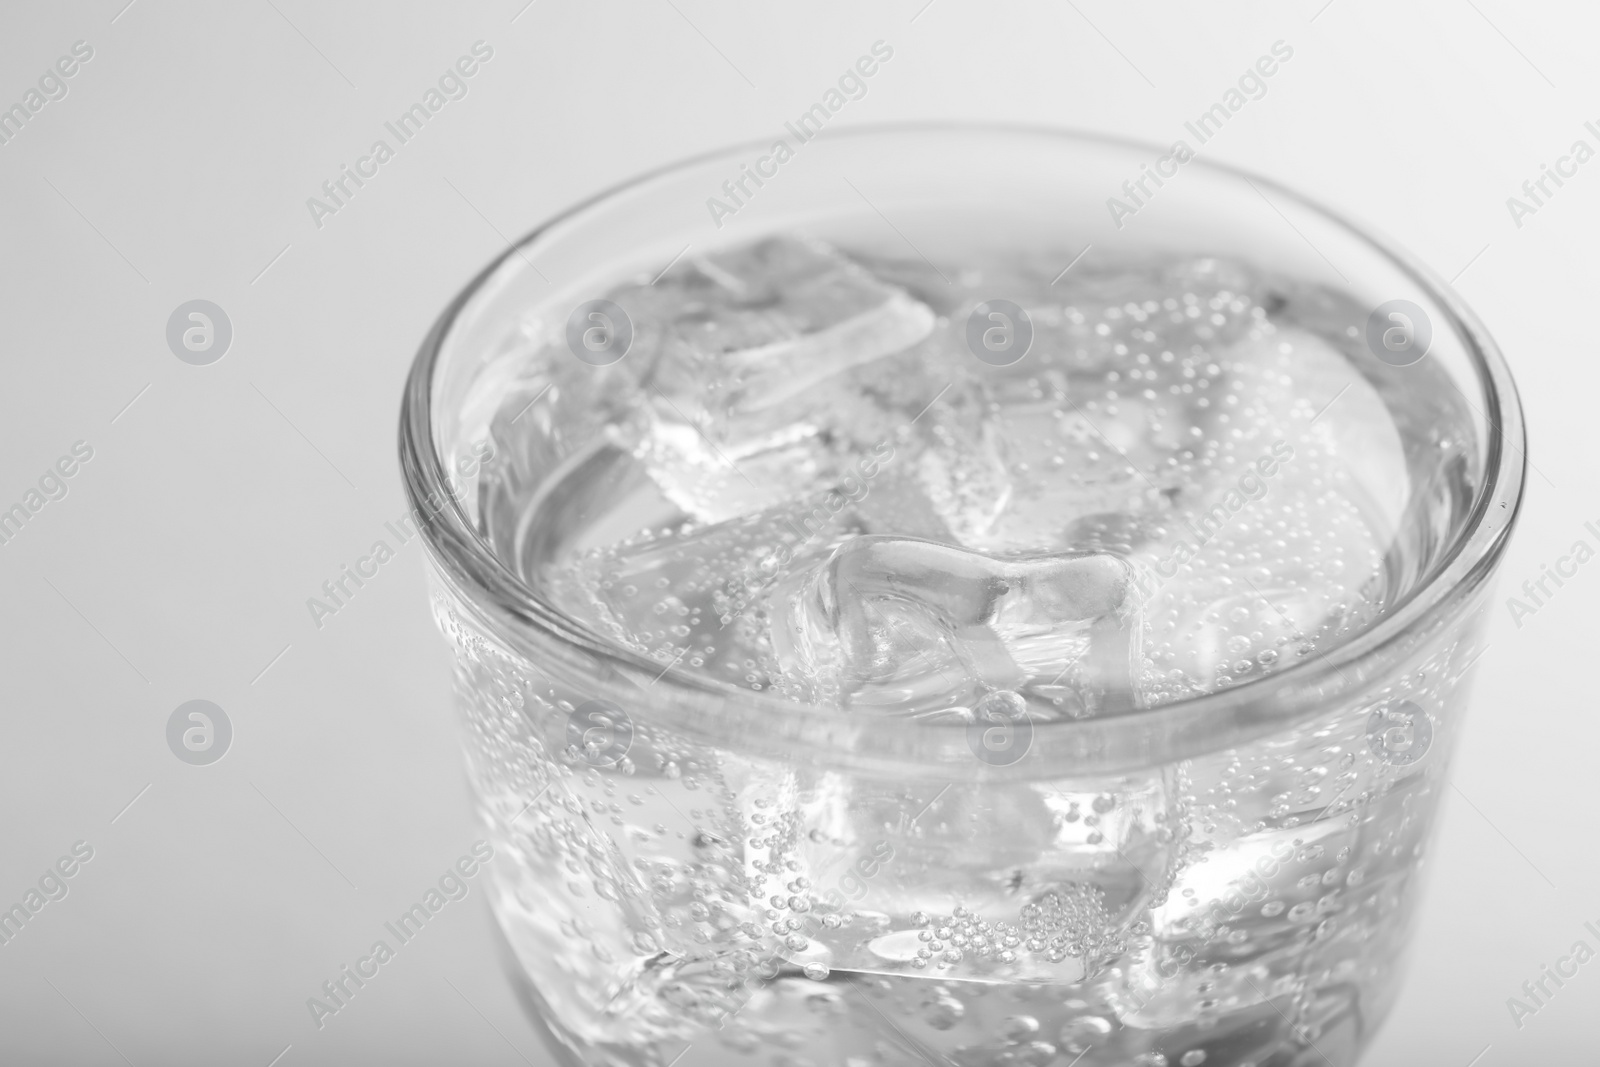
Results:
693 870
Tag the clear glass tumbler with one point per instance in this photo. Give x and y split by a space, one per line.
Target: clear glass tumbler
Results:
691 869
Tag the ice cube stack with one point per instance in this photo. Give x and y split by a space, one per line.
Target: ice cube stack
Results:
849 508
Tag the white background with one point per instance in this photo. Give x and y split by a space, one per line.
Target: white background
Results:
180 562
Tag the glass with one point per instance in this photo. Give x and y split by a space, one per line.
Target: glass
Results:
687 867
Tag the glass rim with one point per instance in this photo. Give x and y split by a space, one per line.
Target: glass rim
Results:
1204 722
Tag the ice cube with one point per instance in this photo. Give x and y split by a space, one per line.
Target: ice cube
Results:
694 595
1280 549
963 465
1108 413
897 503
732 347
907 625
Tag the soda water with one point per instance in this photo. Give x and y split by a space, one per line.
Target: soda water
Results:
983 494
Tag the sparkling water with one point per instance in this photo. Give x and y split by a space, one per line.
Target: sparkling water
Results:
844 478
